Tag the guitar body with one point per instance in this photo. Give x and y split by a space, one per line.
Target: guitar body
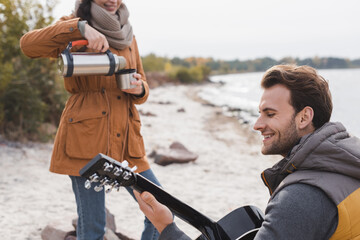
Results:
242 223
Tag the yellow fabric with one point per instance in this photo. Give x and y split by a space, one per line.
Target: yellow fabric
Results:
349 218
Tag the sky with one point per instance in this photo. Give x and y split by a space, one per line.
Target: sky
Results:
243 29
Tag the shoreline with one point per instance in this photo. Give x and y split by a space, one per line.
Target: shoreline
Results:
225 176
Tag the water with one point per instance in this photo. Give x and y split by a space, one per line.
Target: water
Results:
239 95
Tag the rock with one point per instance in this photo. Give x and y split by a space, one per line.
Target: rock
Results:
70 235
152 154
178 145
164 103
176 153
110 221
148 114
70 238
110 235
51 233
123 237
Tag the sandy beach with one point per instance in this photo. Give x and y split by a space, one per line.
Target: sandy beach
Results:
225 176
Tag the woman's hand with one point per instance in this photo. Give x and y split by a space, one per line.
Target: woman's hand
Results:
96 39
157 213
139 89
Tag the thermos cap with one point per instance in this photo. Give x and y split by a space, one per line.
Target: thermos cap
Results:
125 71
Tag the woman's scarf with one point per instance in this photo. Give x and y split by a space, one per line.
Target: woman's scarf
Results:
116 27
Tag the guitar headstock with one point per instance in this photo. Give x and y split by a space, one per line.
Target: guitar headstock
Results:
107 171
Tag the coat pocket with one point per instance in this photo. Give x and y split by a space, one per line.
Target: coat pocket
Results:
86 135
136 146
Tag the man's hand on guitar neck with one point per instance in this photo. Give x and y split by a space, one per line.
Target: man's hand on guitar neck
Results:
156 212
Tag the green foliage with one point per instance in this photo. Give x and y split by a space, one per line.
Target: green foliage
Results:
30 90
183 74
185 70
24 110
153 63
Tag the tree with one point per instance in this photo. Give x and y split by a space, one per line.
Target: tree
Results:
152 63
30 90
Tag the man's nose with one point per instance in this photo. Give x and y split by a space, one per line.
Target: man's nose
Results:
259 124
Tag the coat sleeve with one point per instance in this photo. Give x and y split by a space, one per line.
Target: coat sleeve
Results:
140 70
299 211
173 232
52 40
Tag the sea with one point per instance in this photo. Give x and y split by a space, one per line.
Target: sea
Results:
239 96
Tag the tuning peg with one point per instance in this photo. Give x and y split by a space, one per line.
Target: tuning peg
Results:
109 190
87 184
103 182
117 171
125 164
126 175
92 178
115 184
108 167
98 188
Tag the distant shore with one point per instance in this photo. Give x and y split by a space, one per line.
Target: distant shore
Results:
225 176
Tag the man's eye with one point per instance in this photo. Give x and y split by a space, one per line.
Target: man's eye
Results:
270 114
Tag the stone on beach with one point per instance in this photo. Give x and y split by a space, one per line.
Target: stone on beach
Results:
176 153
50 232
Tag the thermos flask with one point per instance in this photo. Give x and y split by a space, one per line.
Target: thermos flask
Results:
86 63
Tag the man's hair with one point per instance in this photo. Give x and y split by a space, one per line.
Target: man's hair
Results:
307 88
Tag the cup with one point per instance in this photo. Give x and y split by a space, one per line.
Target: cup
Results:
124 78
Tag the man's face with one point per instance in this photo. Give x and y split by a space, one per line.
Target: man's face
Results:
277 121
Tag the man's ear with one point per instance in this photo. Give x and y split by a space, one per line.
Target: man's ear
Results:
305 117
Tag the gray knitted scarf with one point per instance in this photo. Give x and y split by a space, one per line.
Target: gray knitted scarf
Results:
116 27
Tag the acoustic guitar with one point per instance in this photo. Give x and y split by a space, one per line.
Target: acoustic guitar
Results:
242 223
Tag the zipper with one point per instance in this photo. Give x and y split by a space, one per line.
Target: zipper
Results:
103 90
131 57
266 183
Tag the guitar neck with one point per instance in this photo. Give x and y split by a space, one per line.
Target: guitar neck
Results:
107 171
205 225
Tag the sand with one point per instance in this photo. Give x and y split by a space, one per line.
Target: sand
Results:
225 176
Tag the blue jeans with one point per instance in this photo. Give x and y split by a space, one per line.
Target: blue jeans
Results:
91 210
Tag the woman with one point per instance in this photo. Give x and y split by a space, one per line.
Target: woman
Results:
98 116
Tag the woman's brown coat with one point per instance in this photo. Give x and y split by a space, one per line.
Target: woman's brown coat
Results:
98 117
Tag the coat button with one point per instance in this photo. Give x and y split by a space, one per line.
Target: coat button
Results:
71 29
118 97
70 119
103 113
118 135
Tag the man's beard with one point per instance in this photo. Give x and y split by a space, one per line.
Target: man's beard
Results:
288 138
